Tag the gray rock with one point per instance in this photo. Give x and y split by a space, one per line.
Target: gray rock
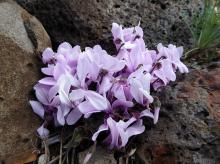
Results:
12 26
188 130
88 22
100 156
42 159
19 71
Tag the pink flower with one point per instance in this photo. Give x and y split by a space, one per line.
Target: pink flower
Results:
82 83
119 132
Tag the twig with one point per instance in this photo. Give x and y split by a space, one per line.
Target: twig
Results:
73 156
186 55
61 146
46 149
54 160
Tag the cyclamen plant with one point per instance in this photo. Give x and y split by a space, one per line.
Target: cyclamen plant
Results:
123 84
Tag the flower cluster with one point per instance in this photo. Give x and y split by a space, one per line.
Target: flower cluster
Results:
82 83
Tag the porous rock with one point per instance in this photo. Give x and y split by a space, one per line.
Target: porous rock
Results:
100 156
88 22
188 130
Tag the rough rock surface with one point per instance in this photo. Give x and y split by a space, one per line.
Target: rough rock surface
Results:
88 22
188 130
100 156
21 37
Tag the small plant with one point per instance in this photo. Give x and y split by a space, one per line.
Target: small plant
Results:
205 30
83 83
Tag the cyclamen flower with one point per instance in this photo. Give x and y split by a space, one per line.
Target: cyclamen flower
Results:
82 83
120 131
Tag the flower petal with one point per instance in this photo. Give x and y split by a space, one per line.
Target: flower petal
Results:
37 108
86 108
96 100
73 116
135 129
47 55
60 116
47 81
135 85
48 70
146 113
53 92
41 95
76 94
43 132
114 132
106 84
147 95
102 128
156 115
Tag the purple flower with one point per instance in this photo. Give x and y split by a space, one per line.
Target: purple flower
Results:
81 83
173 54
88 102
119 132
140 86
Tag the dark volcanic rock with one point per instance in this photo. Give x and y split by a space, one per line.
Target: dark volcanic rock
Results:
21 37
188 130
88 22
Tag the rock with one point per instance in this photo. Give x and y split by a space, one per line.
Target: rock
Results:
100 156
22 157
188 130
88 22
42 159
21 37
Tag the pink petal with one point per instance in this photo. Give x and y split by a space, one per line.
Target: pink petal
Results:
96 100
82 68
60 116
135 129
106 84
73 116
118 91
156 115
86 108
102 128
48 70
123 103
123 135
147 95
76 95
43 132
114 133
146 113
64 98
59 69
134 89
37 108
112 64
52 92
117 32
48 81
41 95
56 101
64 49
47 55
